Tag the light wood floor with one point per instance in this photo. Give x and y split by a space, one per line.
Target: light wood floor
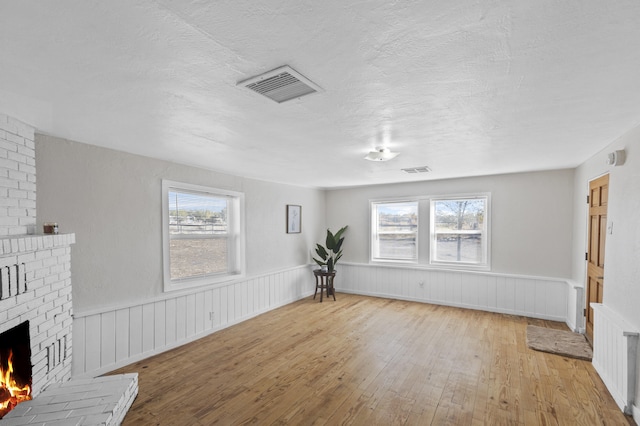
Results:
363 360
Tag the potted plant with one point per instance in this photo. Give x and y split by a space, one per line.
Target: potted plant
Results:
328 256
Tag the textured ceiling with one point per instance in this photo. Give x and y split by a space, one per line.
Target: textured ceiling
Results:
465 87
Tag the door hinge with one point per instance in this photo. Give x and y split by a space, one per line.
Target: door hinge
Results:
586 256
584 312
588 199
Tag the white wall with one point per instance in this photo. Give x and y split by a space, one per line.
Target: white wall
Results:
112 202
622 250
531 223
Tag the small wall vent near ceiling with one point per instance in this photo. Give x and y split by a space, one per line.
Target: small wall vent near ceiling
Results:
281 85
423 169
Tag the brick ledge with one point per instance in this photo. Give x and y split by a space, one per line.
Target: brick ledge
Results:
25 243
79 402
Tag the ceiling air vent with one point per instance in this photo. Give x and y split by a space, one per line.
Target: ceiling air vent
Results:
423 169
281 84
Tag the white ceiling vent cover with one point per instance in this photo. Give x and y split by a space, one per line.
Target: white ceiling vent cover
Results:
281 84
423 169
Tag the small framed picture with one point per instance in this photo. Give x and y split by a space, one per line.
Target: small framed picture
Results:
294 219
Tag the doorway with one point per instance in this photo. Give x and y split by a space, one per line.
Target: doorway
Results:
598 201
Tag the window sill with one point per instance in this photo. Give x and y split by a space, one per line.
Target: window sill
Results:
212 281
431 266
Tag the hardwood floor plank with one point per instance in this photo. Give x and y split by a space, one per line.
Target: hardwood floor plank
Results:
370 361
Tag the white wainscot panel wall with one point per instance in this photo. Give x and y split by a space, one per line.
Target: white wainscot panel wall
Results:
108 339
615 351
536 297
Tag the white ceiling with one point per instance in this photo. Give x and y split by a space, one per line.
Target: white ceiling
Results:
465 87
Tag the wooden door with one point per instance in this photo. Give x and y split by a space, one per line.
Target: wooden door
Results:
598 199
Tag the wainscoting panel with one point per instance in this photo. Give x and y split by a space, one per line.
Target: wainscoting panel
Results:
615 348
108 339
536 297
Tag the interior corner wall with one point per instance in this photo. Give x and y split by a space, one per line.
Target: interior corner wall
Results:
622 245
112 201
531 218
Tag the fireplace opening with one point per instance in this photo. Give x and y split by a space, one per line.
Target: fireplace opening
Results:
15 367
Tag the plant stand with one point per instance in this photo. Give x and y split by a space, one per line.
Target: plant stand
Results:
324 280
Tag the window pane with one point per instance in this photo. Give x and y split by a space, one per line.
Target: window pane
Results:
459 248
396 231
197 214
397 246
459 231
459 214
197 257
198 228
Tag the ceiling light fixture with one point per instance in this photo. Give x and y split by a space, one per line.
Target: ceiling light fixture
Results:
381 154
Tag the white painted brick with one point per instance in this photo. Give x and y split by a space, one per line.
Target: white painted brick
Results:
65 291
24 299
43 291
51 279
43 328
26 257
37 321
17 193
50 297
53 312
5 201
34 283
54 330
18 310
38 357
15 139
18 175
9 221
6 144
27 186
25 150
6 182
17 212
8 164
17 421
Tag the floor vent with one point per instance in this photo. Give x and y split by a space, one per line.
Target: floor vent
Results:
423 169
281 85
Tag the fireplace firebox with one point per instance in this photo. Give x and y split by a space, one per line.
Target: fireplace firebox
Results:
15 367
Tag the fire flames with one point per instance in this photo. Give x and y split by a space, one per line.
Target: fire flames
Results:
11 394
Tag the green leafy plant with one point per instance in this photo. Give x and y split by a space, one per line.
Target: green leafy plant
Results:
332 251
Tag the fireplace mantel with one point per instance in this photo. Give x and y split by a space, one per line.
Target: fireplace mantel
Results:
18 244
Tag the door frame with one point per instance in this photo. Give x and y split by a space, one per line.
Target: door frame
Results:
587 301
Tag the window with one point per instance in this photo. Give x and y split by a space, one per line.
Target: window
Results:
394 231
459 231
202 235
458 235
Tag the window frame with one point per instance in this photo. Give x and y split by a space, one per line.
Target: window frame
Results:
373 231
235 236
485 264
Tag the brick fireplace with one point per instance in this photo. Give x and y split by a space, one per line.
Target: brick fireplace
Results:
36 292
36 288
